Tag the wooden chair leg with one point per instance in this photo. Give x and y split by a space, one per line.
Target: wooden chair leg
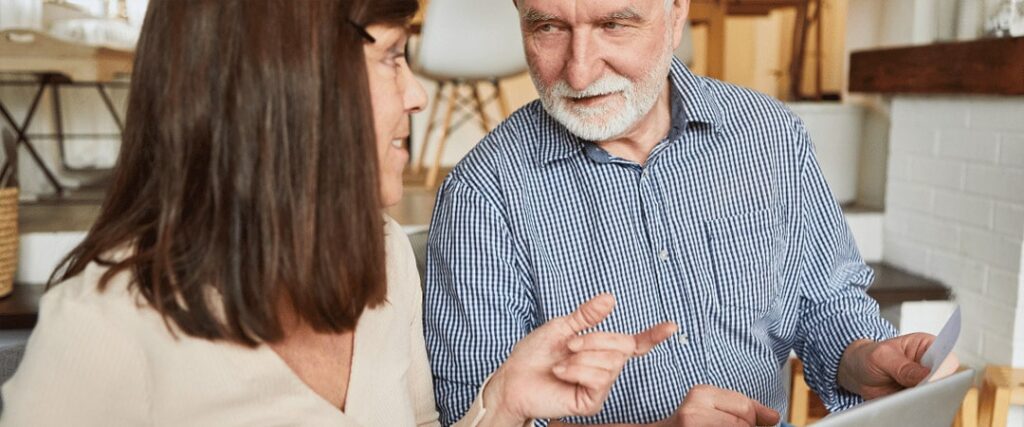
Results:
431 118
502 101
968 415
994 403
480 109
442 141
799 404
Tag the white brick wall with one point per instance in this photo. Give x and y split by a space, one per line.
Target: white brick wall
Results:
955 212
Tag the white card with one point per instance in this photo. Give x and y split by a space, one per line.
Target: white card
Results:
942 346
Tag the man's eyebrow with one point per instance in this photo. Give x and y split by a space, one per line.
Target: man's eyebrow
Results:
533 16
628 14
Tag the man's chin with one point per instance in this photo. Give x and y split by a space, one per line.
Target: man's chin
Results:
593 130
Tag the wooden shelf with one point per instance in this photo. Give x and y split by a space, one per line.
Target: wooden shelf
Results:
990 66
30 51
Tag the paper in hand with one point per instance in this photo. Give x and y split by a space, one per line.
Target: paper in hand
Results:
942 345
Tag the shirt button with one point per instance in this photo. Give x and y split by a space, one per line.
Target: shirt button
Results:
684 339
663 254
644 173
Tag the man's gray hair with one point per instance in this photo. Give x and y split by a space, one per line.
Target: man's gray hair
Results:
668 5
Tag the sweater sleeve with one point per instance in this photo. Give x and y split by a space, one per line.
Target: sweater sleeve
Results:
79 368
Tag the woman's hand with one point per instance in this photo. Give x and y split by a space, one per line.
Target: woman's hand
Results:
555 372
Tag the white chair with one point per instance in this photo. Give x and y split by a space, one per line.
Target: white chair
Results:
464 43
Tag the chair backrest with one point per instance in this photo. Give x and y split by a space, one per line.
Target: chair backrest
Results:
10 358
470 40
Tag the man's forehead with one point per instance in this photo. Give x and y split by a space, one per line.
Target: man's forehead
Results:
580 10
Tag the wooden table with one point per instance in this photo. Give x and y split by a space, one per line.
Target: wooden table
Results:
894 286
20 309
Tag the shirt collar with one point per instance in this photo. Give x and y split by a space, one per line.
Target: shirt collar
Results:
700 104
690 100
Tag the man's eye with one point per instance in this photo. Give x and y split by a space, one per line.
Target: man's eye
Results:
546 28
612 26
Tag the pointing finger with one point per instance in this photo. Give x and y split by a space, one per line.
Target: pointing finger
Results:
653 336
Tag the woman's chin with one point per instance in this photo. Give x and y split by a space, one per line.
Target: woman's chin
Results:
391 195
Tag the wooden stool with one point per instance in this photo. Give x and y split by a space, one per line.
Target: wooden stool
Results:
1003 386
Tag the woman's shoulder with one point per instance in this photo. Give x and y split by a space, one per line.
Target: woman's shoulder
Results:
85 290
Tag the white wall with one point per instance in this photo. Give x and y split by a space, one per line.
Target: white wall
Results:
955 213
955 210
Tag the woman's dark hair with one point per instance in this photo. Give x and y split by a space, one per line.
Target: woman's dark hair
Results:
248 168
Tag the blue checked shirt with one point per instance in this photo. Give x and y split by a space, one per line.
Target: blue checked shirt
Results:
728 230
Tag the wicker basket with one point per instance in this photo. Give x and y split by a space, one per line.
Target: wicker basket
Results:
8 238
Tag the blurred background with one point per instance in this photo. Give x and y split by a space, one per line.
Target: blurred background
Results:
916 109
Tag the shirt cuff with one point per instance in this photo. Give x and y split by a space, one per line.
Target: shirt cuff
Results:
477 411
825 370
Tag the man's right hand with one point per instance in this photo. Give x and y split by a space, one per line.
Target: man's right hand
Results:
705 405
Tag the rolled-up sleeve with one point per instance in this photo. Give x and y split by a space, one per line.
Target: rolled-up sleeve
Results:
835 309
477 302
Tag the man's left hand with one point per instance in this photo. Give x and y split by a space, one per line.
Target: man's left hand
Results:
875 369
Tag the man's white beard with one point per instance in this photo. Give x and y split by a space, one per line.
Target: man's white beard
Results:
611 119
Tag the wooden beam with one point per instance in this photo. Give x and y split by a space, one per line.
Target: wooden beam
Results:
990 66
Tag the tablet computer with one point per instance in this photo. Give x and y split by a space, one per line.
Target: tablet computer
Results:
927 405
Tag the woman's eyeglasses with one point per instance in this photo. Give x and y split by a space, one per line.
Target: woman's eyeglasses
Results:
362 32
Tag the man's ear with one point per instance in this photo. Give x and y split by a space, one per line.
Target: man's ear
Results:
680 12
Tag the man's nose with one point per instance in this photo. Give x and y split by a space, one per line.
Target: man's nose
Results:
584 65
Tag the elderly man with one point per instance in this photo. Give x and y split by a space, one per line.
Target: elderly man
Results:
689 199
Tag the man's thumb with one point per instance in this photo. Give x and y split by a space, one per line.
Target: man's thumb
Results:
911 374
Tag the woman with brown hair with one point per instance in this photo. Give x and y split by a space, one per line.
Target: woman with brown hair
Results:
241 271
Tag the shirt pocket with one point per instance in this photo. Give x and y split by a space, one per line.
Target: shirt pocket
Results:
741 252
